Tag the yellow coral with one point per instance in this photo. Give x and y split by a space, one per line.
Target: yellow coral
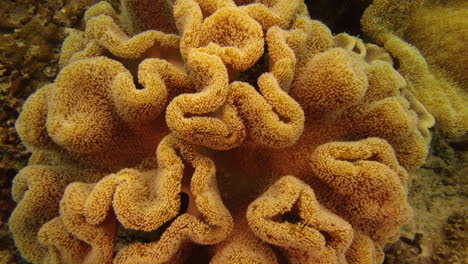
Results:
374 170
98 110
38 206
336 84
184 114
243 247
274 13
85 209
445 52
139 16
312 235
435 66
31 124
181 128
228 33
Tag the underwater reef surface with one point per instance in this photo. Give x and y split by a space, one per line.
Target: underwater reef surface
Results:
437 191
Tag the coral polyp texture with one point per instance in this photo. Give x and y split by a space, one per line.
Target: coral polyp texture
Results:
243 130
428 39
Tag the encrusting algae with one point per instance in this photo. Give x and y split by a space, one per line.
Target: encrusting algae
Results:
309 163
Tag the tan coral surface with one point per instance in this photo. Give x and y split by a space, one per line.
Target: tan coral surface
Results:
428 38
153 130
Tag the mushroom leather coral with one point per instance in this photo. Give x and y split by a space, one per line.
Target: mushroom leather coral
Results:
428 39
217 131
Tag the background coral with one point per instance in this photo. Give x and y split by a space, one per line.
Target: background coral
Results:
435 66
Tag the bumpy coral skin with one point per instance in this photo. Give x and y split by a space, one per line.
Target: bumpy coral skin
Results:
303 242
144 201
435 67
40 187
148 127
